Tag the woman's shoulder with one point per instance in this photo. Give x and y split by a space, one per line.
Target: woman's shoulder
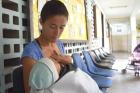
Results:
30 44
32 50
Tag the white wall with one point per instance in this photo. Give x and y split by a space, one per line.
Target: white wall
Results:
133 30
138 35
121 37
98 22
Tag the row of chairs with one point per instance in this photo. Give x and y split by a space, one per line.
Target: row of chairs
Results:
95 66
100 73
102 58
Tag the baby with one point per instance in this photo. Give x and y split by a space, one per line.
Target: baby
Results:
44 79
42 75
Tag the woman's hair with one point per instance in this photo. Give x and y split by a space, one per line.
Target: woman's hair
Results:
52 8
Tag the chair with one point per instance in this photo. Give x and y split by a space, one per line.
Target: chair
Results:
100 64
94 69
101 80
103 57
106 53
18 80
107 56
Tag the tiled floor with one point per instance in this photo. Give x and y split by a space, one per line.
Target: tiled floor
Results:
124 83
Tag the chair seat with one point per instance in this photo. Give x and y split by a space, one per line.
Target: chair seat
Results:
18 80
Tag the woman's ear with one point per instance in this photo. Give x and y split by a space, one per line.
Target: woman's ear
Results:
40 24
40 20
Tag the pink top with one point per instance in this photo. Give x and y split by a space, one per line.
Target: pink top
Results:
136 55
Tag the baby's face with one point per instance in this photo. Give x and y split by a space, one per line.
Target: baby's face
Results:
57 65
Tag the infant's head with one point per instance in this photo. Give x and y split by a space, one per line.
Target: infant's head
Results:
43 74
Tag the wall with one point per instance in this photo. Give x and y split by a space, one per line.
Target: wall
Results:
98 22
138 35
133 31
99 29
14 35
121 37
124 37
107 42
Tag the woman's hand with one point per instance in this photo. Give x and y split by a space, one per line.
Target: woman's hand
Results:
64 59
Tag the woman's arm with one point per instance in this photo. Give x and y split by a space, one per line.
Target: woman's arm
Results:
60 57
27 66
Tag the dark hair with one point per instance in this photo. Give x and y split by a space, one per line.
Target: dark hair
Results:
52 8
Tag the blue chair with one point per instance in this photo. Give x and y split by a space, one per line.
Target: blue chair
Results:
94 69
106 53
101 56
18 85
101 80
99 64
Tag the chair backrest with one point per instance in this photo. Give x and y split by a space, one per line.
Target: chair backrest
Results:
102 52
94 57
105 51
89 62
79 62
97 55
18 80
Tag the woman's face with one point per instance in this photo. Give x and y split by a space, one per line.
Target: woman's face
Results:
53 27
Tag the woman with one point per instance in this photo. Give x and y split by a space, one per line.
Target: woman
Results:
54 17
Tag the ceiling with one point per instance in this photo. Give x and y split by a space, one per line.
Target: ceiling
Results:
119 9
